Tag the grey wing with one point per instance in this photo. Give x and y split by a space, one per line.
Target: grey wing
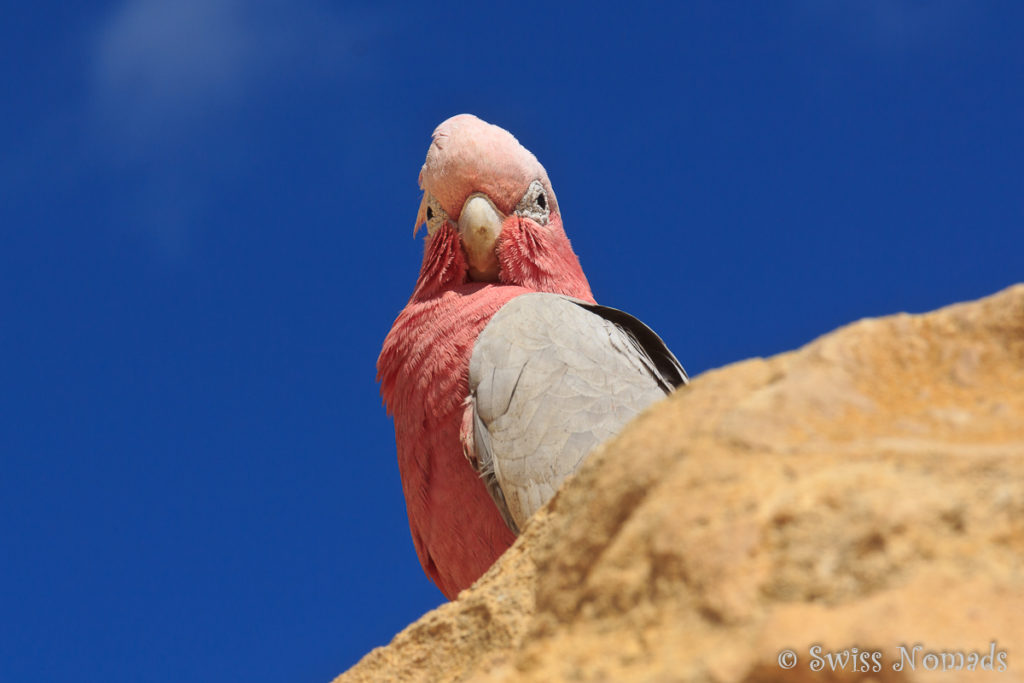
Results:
550 378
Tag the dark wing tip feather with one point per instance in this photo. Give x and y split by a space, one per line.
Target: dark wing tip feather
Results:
670 372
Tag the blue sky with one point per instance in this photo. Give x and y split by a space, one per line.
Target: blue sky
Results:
205 234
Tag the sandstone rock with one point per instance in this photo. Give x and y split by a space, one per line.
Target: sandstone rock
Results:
864 491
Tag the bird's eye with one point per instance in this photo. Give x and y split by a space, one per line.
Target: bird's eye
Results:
534 204
434 214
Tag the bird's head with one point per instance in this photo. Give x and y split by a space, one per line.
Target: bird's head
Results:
491 214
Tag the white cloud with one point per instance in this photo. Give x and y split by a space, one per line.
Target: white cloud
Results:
170 79
159 62
173 52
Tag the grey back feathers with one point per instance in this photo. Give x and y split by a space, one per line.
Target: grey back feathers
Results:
550 378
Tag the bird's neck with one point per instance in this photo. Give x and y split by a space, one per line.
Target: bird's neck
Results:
541 261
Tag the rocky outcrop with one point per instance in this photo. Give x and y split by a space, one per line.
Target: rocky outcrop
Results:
865 491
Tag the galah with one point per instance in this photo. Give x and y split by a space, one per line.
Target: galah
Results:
501 372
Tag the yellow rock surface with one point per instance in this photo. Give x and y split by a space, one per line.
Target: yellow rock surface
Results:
865 491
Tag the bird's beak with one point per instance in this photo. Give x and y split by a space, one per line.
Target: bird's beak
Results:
480 226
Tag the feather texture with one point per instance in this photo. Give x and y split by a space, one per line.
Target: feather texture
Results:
550 378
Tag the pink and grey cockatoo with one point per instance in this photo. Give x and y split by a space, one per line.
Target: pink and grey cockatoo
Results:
501 372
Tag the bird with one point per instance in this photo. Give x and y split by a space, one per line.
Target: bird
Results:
501 373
